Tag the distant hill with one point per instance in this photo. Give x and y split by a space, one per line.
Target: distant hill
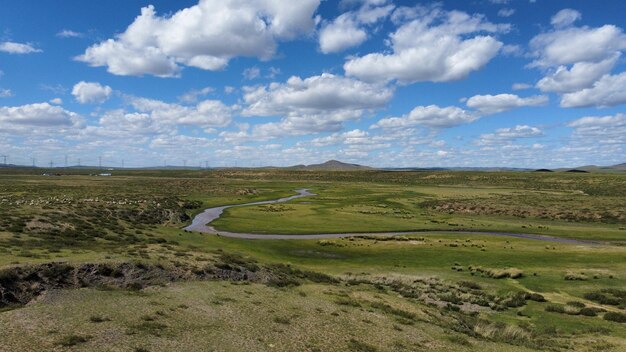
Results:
621 167
595 168
332 165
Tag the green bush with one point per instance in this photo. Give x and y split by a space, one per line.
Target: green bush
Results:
615 317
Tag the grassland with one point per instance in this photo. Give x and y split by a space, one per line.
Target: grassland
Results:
424 291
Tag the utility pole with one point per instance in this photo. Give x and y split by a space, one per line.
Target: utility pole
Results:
5 158
122 163
33 160
78 162
184 162
51 164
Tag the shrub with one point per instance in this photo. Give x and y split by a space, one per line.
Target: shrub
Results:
358 346
555 308
615 317
601 298
588 312
470 284
73 340
282 320
98 319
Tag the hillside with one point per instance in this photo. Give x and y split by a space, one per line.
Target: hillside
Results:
332 165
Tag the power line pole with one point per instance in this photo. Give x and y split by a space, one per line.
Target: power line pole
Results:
51 164
33 160
5 158
184 162
122 163
78 162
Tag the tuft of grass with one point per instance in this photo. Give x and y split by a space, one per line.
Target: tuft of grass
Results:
73 340
282 320
359 346
98 319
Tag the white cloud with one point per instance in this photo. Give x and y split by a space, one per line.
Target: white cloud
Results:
503 135
18 48
56 101
66 33
316 94
493 104
39 115
315 104
578 62
603 130
610 90
193 95
350 29
437 46
431 116
91 92
342 33
506 12
251 73
5 93
575 44
521 86
565 18
206 36
581 75
205 114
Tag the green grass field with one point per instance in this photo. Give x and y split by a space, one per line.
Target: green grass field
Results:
429 291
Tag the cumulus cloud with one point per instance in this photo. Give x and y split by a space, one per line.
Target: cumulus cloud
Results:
565 18
22 119
581 75
91 92
610 90
493 104
315 104
342 33
576 44
18 48
350 29
323 93
430 116
205 114
600 129
503 135
193 95
578 61
434 45
205 36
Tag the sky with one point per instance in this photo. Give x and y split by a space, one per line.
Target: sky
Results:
386 83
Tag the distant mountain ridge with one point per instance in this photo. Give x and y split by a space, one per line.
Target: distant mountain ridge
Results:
332 165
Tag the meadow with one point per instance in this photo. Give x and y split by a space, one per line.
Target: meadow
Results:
102 263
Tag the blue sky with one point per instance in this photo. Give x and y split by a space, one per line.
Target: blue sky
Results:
517 83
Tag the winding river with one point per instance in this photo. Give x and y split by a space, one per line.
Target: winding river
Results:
201 223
